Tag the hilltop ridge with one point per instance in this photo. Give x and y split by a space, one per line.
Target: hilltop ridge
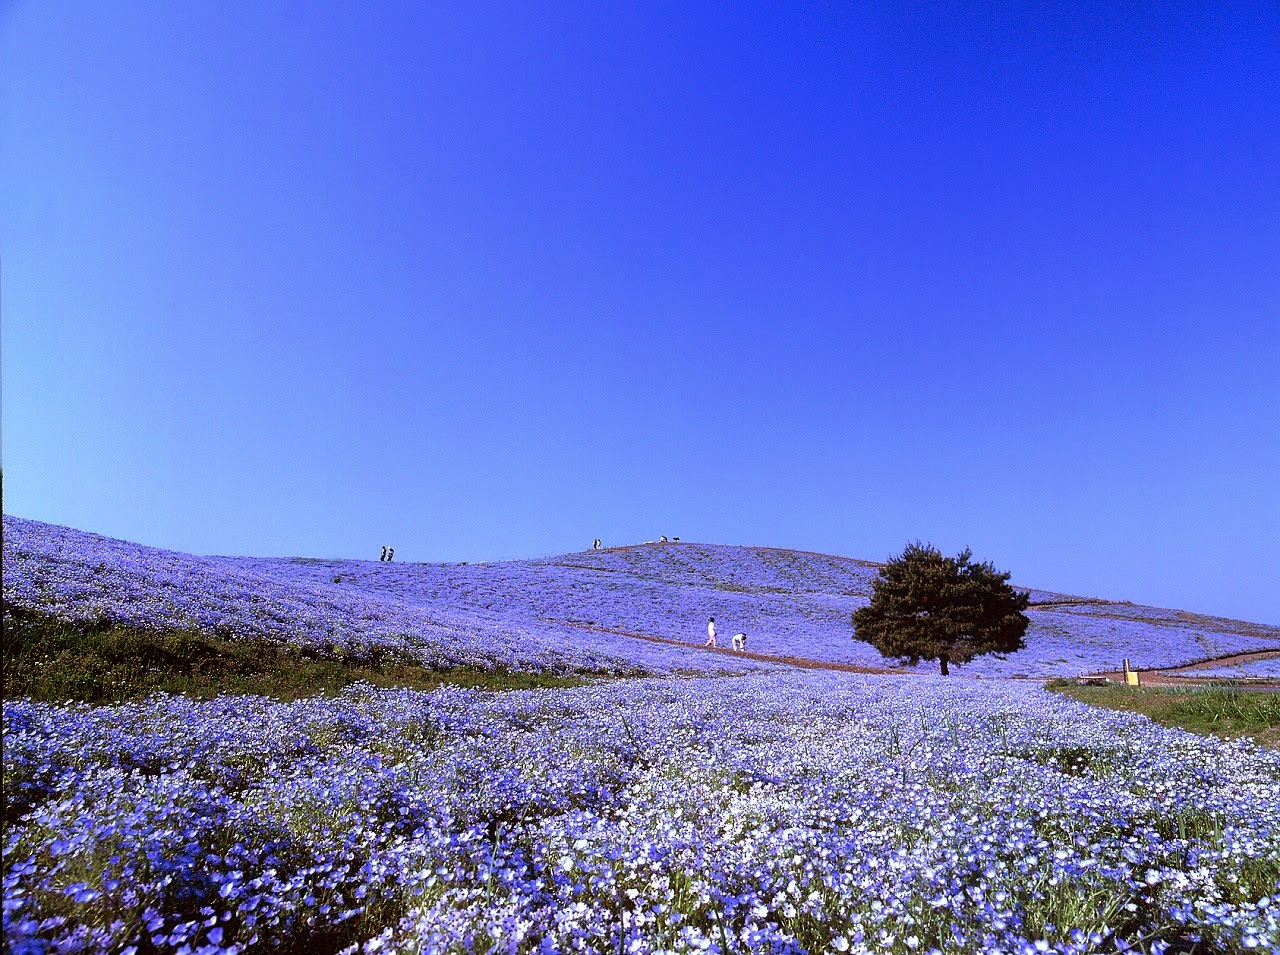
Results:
531 614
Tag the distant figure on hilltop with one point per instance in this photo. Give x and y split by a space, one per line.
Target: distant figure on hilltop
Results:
595 544
711 633
384 552
391 553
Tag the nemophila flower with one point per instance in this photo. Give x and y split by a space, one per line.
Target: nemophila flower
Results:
780 812
514 614
526 817
435 620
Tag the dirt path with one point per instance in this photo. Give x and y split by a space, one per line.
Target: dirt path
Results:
1228 661
1173 676
801 662
1170 676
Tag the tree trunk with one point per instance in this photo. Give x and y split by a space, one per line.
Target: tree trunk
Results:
945 671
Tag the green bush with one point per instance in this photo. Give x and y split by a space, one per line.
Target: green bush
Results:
926 606
53 660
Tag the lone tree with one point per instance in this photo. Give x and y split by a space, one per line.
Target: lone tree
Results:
929 607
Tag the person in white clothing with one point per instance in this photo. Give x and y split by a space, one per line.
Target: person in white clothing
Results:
739 641
711 632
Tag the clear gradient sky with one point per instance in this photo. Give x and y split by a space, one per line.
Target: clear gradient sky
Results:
489 280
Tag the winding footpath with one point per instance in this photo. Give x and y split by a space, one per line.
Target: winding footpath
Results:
1169 676
1163 676
801 662
1173 676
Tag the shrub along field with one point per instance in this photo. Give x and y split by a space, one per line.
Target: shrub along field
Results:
54 660
737 808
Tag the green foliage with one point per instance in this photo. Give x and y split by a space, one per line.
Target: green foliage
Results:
1222 705
56 661
1071 760
1208 710
929 607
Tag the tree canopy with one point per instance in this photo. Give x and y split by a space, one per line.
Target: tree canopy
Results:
926 606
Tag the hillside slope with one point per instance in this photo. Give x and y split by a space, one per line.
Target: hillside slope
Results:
523 613
789 603
87 577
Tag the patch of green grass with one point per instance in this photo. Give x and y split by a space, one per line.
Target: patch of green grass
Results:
1071 760
1209 710
55 661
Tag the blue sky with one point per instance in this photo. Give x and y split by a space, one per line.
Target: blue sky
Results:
308 279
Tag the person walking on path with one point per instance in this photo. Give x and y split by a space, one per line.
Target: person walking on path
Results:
711 633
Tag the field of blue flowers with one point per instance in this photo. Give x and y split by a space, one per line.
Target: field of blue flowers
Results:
742 808
810 812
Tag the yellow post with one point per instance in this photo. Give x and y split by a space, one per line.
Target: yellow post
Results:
1131 677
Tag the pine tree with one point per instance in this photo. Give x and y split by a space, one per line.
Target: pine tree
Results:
929 607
